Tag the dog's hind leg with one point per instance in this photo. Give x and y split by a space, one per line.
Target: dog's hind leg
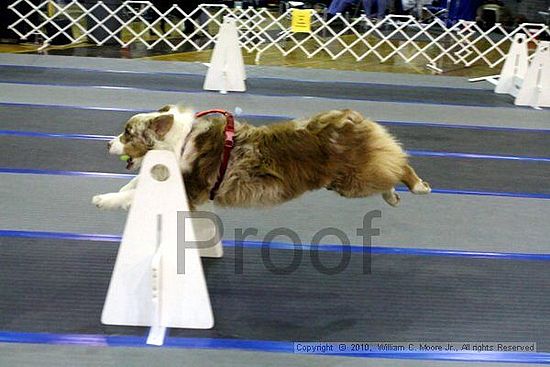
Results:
391 197
415 184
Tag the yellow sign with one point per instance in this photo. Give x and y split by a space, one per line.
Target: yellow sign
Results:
301 21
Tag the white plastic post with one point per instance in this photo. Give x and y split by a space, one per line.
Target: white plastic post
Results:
535 90
145 288
226 72
515 67
206 230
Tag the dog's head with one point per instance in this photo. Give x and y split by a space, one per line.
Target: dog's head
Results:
164 129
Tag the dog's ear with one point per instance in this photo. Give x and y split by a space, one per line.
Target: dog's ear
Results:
162 124
166 108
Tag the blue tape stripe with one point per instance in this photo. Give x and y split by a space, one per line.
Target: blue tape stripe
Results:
254 345
457 253
468 127
134 110
289 246
113 71
426 153
30 171
67 107
114 87
525 195
275 117
35 134
61 236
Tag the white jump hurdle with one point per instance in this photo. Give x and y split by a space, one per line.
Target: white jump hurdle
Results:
535 90
226 71
515 67
146 288
528 81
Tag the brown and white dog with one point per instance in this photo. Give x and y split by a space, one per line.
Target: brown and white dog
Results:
337 150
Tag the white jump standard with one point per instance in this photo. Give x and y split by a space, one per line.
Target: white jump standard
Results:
146 288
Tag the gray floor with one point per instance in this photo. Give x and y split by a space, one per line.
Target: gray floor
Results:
256 86
252 71
63 204
61 287
280 106
474 223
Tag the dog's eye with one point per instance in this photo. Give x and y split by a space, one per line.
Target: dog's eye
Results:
126 136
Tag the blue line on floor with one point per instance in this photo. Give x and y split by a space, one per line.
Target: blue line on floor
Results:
133 110
61 236
31 171
467 127
426 153
275 117
289 246
88 70
35 134
68 107
525 195
95 340
414 153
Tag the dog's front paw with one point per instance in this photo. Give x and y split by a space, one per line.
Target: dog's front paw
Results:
421 188
107 201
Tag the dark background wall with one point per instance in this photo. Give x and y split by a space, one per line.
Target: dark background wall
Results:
528 8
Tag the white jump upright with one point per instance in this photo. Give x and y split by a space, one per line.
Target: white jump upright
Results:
205 230
145 288
515 67
226 72
535 90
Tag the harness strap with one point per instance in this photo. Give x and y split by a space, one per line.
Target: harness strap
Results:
229 133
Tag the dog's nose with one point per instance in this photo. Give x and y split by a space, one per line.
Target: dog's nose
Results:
110 144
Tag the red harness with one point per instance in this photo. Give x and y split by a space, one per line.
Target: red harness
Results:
229 132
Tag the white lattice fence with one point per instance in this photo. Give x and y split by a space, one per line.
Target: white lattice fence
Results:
261 31
403 37
81 18
491 46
